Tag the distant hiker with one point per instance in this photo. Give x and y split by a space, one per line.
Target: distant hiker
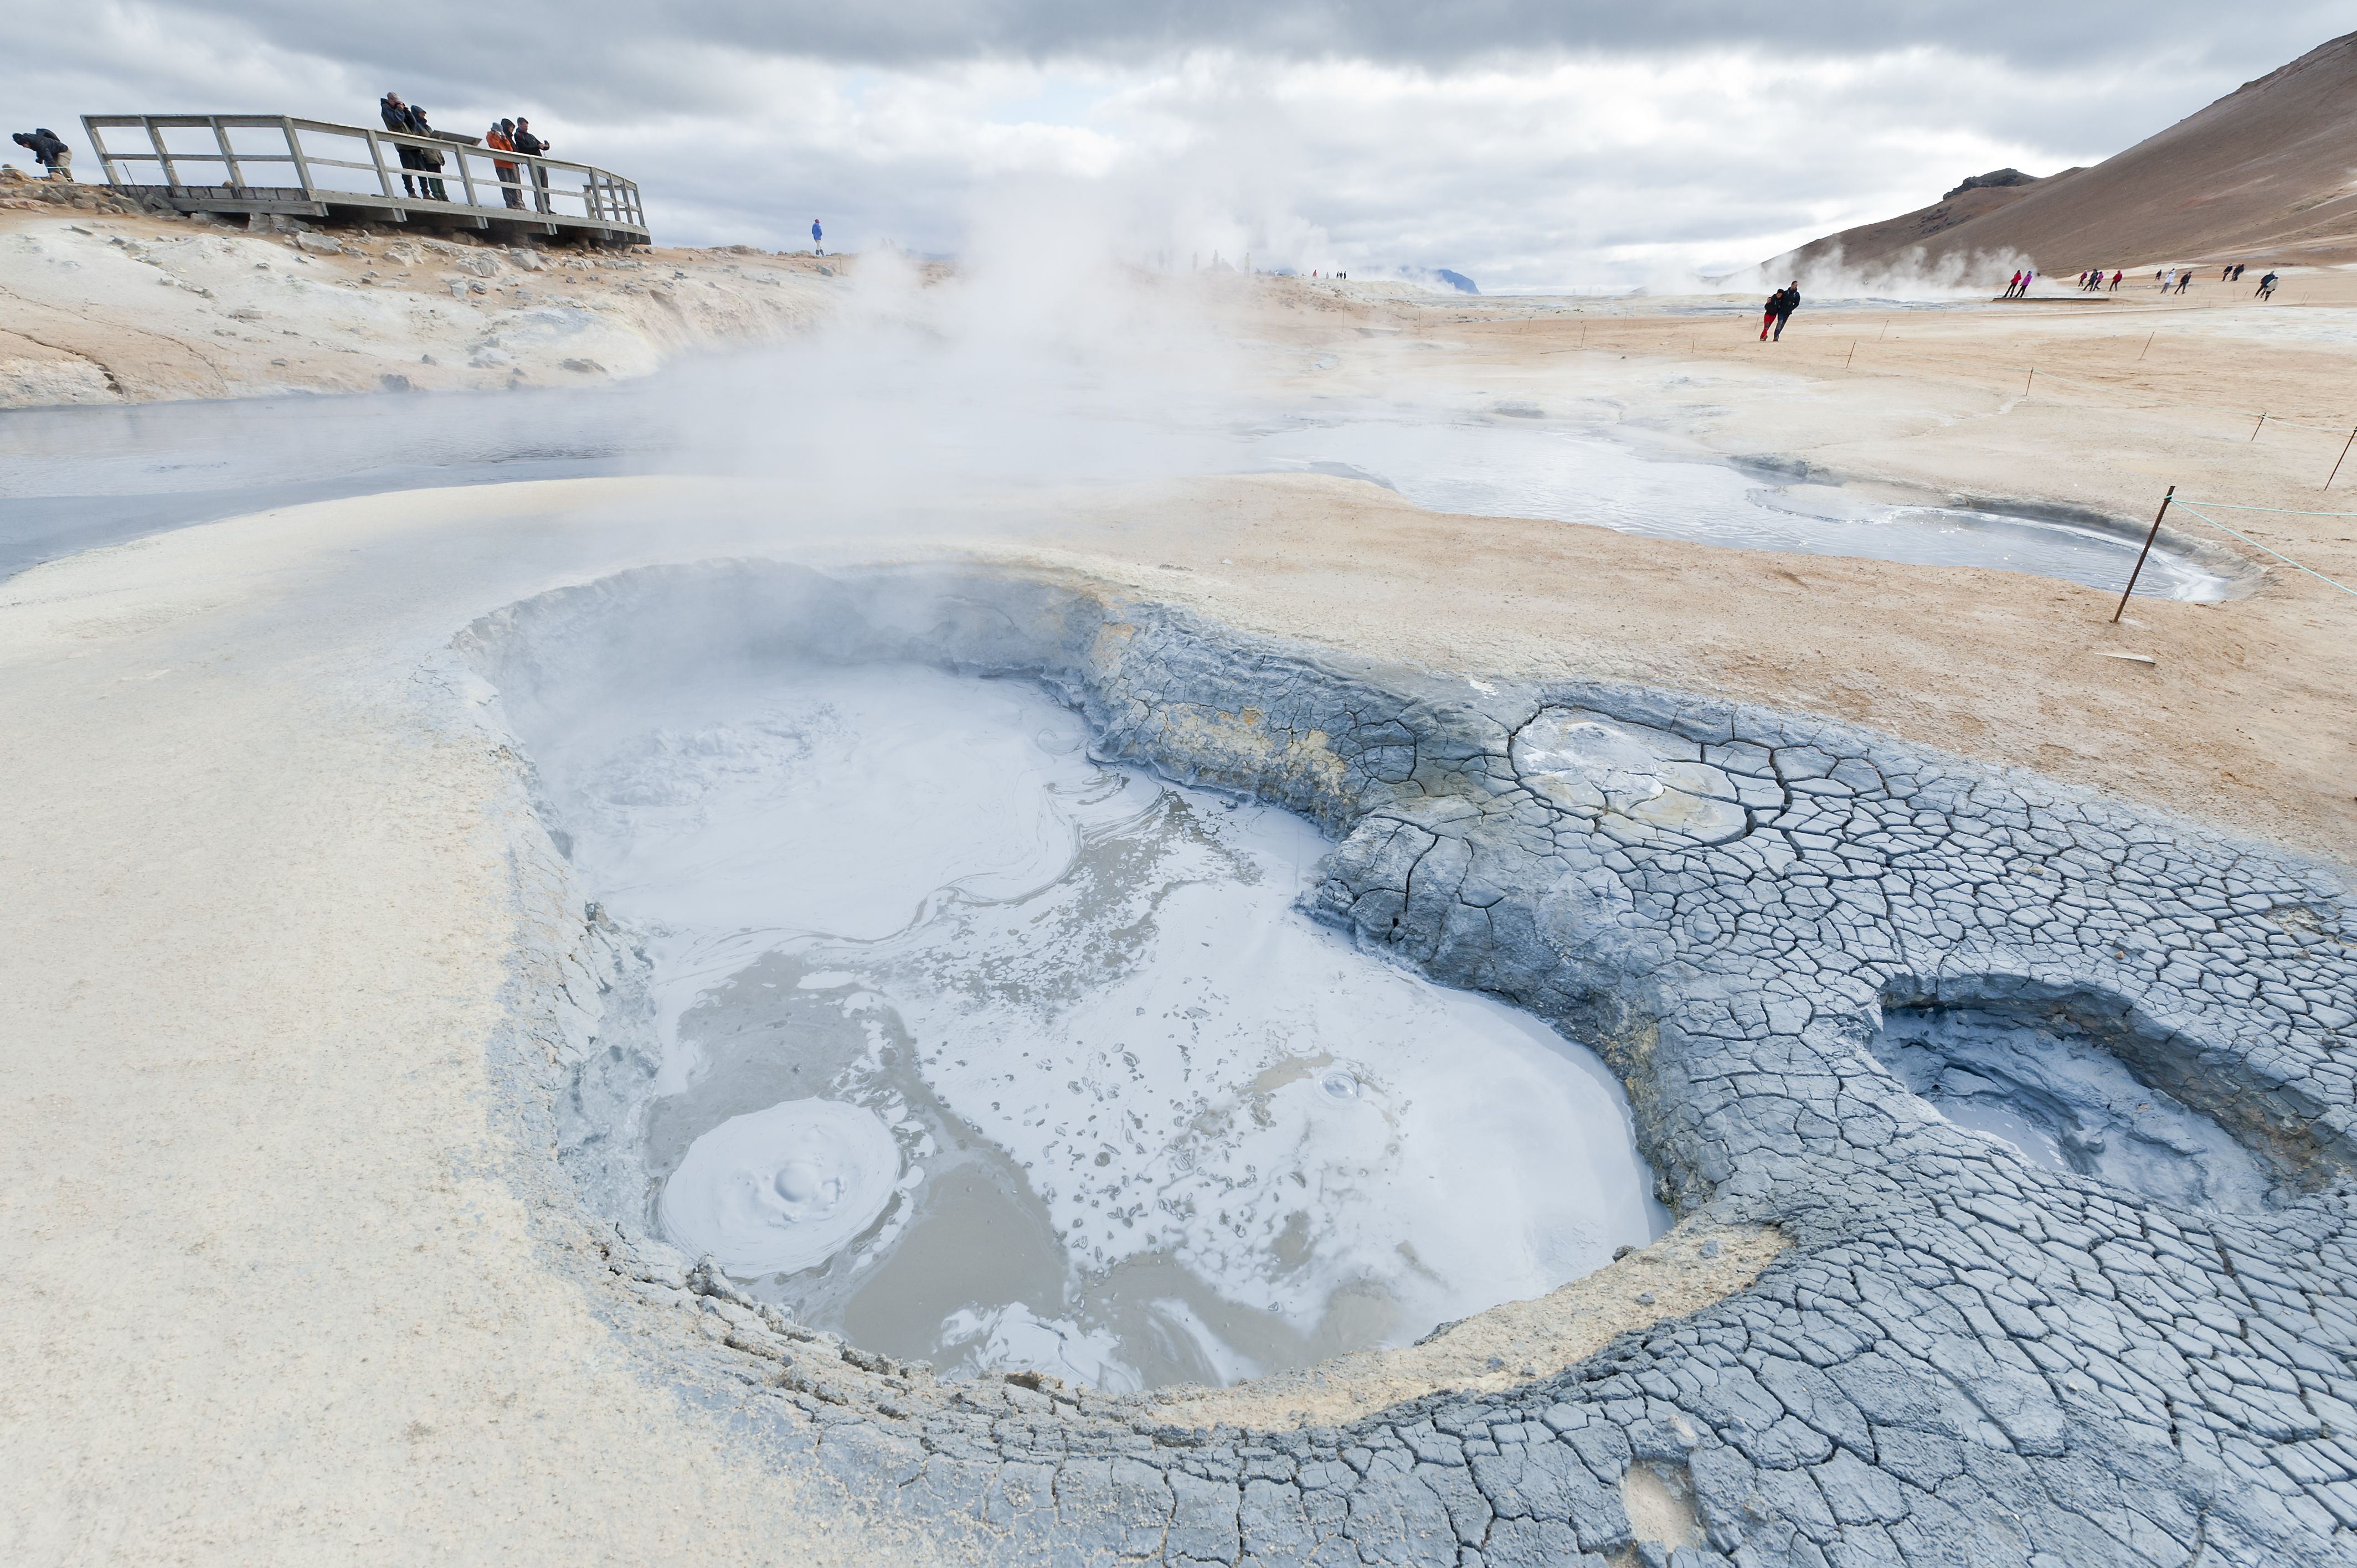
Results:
2226 273
2028 278
2267 286
396 118
501 138
2183 278
2238 271
2013 284
1781 305
532 146
818 238
48 149
2116 282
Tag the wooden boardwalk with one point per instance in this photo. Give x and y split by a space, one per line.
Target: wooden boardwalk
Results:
279 164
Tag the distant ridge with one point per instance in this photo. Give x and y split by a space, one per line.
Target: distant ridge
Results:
2267 173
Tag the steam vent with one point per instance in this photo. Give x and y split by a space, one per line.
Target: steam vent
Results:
2004 1132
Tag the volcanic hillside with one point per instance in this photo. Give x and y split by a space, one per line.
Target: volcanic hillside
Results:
2268 173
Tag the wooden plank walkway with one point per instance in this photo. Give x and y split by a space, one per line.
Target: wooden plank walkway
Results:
358 172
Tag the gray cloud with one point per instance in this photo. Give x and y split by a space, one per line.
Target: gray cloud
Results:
529 39
1529 145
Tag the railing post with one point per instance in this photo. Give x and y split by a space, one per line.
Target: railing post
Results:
229 154
98 146
163 153
376 156
295 151
465 179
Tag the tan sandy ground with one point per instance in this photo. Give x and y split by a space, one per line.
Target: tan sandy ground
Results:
269 1296
100 308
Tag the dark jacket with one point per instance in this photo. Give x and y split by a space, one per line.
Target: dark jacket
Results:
396 118
43 144
525 142
1791 302
425 160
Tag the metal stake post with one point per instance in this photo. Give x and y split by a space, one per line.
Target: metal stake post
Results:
2143 553
2342 459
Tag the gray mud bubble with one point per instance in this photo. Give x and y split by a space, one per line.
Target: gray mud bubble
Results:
1891 1325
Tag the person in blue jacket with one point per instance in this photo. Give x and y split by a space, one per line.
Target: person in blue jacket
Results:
817 235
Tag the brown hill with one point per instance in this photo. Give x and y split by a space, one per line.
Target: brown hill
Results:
2267 173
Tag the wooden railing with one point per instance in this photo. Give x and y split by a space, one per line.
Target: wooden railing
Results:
359 166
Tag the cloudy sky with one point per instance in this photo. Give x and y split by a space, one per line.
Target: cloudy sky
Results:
1526 143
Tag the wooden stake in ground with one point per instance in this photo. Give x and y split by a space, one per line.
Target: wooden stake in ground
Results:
2143 553
1851 355
2033 378
2256 428
2342 459
2147 343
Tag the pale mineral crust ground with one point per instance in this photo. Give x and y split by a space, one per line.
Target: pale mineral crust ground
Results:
293 972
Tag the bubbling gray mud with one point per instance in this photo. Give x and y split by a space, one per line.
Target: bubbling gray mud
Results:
2047 1089
1963 1355
994 1058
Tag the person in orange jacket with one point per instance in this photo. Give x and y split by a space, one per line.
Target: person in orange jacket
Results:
501 138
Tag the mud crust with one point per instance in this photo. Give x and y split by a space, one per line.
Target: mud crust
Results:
1950 1356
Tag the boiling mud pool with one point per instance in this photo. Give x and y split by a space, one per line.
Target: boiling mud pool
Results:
2057 1097
1506 469
993 1056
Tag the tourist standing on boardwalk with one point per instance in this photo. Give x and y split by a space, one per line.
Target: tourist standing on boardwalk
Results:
532 146
429 162
396 118
501 138
817 234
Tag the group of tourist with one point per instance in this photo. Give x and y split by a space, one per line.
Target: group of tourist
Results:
2172 280
504 136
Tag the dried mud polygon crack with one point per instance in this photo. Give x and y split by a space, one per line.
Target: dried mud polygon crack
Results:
1876 1336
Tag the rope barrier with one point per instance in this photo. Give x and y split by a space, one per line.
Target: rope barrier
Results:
2195 510
2285 511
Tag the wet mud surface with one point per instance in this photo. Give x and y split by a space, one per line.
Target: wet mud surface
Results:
2047 1103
